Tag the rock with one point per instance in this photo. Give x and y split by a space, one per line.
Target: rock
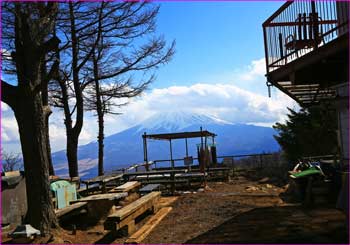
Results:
268 186
25 231
200 190
263 180
251 188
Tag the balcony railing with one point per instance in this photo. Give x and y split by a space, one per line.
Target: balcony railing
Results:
300 27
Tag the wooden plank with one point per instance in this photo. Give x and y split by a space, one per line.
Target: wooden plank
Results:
102 179
70 208
132 207
143 232
149 188
165 181
108 196
166 201
128 186
155 172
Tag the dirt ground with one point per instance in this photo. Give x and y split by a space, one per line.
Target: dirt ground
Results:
245 211
239 211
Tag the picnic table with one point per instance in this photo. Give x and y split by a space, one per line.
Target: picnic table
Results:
102 180
98 197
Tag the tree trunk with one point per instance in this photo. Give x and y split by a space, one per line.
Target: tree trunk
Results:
100 114
27 103
73 132
33 136
51 169
72 153
100 145
45 100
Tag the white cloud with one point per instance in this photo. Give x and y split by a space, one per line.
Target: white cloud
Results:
4 107
256 69
9 129
225 101
238 97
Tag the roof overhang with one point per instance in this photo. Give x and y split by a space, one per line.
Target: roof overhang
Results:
181 135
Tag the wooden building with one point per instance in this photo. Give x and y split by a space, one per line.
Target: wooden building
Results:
307 57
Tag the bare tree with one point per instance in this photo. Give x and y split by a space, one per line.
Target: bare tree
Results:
114 64
107 37
27 36
75 24
10 161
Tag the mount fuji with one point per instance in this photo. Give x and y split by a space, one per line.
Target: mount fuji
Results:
126 148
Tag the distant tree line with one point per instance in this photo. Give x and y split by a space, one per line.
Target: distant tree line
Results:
76 56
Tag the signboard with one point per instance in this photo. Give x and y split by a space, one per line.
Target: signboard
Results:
188 161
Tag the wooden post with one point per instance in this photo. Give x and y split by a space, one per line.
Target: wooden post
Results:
314 21
280 44
201 138
145 155
172 178
299 27
171 155
304 27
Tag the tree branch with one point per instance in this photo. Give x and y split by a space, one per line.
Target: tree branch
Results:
9 93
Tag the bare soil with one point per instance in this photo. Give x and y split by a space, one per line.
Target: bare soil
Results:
240 211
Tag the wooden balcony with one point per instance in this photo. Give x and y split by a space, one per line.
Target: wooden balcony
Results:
307 49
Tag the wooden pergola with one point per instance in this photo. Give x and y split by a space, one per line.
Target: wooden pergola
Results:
203 134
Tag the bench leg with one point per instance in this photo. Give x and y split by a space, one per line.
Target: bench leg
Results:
131 227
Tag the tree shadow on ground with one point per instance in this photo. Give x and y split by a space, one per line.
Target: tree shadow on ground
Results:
285 224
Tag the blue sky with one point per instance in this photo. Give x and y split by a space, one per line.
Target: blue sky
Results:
211 38
218 69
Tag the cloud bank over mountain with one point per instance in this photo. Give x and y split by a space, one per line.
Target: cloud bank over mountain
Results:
239 96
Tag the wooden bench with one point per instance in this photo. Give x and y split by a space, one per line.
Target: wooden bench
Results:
127 187
71 209
126 216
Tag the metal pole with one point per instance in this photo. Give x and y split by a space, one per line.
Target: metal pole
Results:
186 147
171 155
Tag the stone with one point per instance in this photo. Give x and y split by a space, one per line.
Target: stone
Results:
25 231
263 180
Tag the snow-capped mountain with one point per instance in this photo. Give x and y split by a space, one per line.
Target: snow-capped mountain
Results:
126 148
178 120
